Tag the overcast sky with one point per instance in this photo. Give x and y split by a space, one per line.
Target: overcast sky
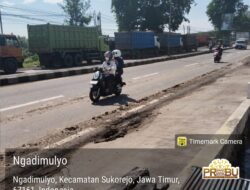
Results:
43 8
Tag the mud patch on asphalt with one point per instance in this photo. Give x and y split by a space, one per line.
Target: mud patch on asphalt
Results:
123 126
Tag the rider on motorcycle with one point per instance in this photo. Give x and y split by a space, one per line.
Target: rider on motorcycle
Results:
219 49
109 70
119 65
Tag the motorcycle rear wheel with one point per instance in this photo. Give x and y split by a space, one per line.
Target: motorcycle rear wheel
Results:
118 90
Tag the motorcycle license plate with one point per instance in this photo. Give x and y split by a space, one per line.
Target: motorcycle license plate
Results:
93 82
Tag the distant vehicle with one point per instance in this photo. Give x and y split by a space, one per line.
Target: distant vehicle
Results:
202 39
170 42
225 42
144 44
189 42
240 44
66 46
10 54
137 44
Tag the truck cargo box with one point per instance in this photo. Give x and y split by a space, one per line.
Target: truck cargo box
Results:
203 39
170 40
189 42
50 38
134 40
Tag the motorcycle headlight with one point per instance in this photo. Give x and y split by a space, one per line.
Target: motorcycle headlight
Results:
96 75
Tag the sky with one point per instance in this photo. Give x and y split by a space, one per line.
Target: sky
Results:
49 10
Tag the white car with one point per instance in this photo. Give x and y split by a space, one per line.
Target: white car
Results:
240 44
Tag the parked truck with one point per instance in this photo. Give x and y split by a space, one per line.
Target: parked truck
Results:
10 54
66 46
189 42
203 39
137 44
170 42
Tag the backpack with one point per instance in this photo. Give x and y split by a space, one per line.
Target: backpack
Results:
120 65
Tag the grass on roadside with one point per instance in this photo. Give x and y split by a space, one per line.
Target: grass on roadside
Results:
31 62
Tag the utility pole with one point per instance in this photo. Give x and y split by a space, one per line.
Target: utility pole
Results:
99 19
169 25
94 18
1 23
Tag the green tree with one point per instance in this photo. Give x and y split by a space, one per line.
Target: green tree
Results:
23 41
153 15
76 11
127 14
242 22
150 14
218 8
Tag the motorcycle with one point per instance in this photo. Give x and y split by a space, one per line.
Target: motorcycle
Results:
217 56
100 88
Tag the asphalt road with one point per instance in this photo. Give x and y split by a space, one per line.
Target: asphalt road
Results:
39 70
33 110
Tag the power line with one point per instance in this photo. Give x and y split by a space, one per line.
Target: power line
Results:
29 18
1 23
29 10
58 15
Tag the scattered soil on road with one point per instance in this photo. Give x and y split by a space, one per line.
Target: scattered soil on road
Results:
120 121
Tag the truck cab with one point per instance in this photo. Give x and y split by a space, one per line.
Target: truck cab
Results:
10 54
157 42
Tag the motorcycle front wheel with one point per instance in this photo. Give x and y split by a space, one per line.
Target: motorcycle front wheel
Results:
95 94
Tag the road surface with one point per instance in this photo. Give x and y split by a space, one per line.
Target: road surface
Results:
33 110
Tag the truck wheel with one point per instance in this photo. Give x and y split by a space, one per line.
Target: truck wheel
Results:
10 66
44 60
56 61
68 60
20 64
89 61
78 60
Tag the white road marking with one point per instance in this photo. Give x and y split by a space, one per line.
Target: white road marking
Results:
30 103
145 76
193 64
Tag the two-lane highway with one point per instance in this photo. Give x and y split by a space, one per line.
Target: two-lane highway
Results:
33 110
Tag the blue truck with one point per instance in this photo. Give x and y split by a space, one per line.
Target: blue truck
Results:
137 44
170 42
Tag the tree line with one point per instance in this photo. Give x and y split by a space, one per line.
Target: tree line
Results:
157 15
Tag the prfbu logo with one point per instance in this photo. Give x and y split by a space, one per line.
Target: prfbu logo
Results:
220 169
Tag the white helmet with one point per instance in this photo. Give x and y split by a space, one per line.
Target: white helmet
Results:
117 53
